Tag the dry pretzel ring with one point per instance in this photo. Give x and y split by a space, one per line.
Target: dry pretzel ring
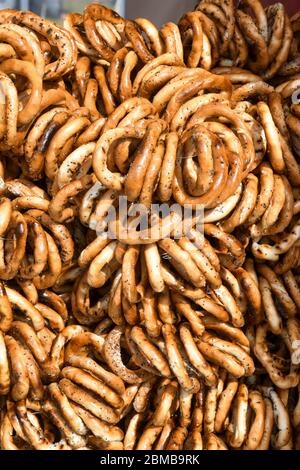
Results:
27 70
152 33
177 318
92 14
9 133
214 10
71 21
263 354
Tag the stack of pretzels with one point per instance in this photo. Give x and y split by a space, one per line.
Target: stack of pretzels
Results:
143 339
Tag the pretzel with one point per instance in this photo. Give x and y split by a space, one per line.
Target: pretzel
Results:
27 70
198 296
195 356
66 410
152 33
164 307
92 132
97 427
53 322
292 286
177 438
73 439
112 351
19 227
281 57
161 99
272 137
6 317
234 248
255 434
219 178
105 176
150 351
237 429
152 175
47 278
82 360
37 237
72 163
103 258
277 287
271 312
107 98
156 77
58 95
245 206
82 307
260 16
129 288
86 380
5 375
60 233
90 99
137 172
110 33
191 89
11 105
151 321
115 70
236 74
220 12
142 396
228 330
254 39
92 14
184 308
71 20
219 109
218 357
45 126
215 443
164 435
176 362
235 350
162 412
291 165
263 354
7 51
130 62
281 418
280 209
191 19
66 132
30 338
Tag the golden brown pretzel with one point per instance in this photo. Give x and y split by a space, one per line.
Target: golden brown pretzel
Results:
94 13
134 35
150 338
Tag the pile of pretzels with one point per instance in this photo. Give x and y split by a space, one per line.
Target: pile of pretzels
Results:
146 340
